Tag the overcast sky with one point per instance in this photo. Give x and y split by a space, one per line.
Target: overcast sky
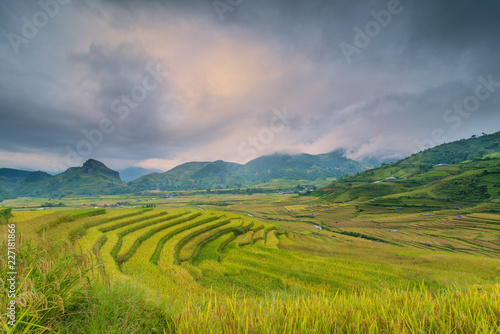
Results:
157 83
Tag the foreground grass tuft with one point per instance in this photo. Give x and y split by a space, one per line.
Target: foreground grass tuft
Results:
51 279
115 310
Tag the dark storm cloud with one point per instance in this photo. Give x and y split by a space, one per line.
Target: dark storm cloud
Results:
225 75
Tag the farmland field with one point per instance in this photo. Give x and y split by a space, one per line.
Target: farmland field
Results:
247 265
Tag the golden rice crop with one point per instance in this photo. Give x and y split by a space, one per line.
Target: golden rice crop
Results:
129 239
407 311
188 250
244 239
271 240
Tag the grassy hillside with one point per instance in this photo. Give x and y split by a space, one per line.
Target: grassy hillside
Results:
133 173
10 179
301 167
36 184
92 178
178 178
457 174
193 175
5 194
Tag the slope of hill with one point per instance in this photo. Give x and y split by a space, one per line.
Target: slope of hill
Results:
132 173
220 174
5 194
92 178
36 184
192 175
11 178
301 167
450 175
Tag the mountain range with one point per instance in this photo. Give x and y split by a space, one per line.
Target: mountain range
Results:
94 178
220 174
462 171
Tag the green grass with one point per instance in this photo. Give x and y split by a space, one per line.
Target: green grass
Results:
51 281
115 310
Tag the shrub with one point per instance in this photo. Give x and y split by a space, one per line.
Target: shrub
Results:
5 214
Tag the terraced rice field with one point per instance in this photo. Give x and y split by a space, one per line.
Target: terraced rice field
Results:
156 248
469 234
171 251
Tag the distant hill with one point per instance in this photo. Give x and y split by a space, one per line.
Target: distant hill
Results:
191 175
5 194
36 184
11 178
220 174
132 173
449 175
93 178
301 167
